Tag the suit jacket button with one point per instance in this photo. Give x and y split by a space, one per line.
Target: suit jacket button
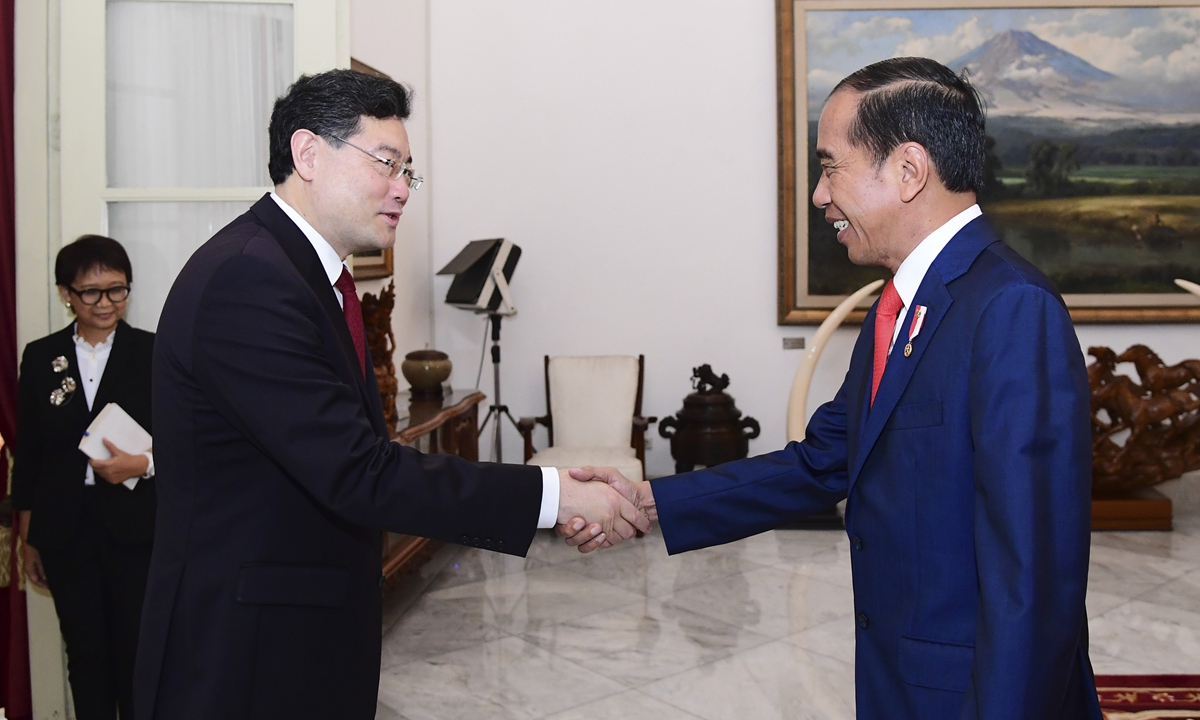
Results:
476 543
488 543
863 622
856 542
499 544
464 540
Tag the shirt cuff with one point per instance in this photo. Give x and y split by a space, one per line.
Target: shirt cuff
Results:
548 517
131 483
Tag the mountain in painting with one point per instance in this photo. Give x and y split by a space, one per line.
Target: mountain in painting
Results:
1018 73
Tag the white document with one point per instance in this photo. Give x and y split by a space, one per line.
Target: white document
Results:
116 426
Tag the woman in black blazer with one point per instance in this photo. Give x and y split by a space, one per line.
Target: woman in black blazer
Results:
87 526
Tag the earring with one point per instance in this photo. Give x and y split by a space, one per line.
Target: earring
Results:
68 304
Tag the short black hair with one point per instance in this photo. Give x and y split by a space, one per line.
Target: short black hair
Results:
331 104
913 99
87 253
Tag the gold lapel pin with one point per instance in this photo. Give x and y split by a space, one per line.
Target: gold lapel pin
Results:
59 364
908 350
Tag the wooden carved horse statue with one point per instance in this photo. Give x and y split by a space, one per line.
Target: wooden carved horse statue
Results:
1101 371
1156 375
1130 409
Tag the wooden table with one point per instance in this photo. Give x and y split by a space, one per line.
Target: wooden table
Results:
447 425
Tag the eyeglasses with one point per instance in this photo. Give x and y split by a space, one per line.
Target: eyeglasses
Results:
390 168
91 296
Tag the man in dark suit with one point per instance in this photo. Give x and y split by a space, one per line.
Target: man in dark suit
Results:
276 473
960 438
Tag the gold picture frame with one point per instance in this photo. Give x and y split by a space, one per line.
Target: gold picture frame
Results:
372 264
799 305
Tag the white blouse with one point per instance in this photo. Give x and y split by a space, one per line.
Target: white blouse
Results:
92 360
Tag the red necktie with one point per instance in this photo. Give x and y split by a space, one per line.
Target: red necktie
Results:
352 309
885 324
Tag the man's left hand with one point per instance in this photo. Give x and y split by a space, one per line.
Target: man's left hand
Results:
121 466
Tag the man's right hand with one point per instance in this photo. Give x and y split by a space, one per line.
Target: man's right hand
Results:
600 507
34 571
588 537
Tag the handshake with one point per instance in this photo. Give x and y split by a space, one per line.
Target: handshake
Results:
599 507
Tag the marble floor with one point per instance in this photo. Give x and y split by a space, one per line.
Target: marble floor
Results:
760 628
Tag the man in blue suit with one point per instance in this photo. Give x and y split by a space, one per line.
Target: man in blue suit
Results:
960 437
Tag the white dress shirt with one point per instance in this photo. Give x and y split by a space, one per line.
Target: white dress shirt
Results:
911 272
333 265
91 360
330 261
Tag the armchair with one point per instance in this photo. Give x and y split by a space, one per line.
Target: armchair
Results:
593 415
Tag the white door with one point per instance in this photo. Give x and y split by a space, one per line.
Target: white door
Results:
164 112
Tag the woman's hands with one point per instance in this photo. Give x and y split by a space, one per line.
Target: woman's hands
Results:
121 466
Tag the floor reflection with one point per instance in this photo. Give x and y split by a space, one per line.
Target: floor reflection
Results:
760 628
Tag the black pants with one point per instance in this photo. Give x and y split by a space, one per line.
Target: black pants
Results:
98 586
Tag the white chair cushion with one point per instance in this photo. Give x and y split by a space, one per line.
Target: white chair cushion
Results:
622 458
592 399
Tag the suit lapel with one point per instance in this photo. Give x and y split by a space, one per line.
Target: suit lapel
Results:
300 251
374 401
114 370
951 263
65 347
858 388
899 369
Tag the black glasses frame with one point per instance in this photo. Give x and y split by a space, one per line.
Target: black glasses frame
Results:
96 294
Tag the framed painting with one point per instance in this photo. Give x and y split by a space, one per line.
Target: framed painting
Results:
372 264
1093 166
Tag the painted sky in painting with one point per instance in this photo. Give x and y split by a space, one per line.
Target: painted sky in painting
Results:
1154 51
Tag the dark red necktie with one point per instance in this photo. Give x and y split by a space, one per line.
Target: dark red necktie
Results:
352 309
885 325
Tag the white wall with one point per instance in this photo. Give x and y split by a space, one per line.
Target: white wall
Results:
629 148
392 37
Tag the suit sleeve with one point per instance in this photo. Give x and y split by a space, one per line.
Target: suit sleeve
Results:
745 497
261 357
26 446
1030 423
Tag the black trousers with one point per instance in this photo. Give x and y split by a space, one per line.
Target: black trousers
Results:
98 587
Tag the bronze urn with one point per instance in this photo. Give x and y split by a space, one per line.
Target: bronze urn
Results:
709 430
425 371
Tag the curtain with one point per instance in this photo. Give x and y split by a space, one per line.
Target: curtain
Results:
14 630
190 87
190 91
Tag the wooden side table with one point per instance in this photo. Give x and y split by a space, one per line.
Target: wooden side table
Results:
447 425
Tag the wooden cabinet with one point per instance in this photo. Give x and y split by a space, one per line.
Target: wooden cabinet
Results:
448 425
